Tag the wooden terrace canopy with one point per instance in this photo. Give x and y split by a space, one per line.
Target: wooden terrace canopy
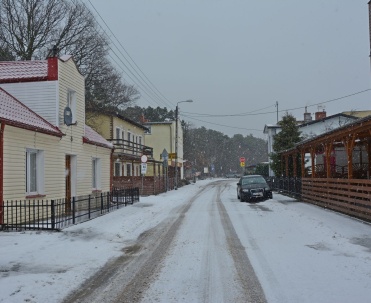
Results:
354 139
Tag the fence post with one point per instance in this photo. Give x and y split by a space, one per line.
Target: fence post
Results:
52 213
101 203
73 211
89 208
108 204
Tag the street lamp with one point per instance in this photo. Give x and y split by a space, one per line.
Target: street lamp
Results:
176 142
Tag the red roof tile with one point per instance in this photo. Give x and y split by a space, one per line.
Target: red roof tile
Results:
23 70
15 113
92 137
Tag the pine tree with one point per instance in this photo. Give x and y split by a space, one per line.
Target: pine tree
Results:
285 139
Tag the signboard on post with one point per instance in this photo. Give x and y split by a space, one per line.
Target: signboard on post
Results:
143 167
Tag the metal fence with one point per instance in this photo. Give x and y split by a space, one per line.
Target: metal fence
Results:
57 214
290 186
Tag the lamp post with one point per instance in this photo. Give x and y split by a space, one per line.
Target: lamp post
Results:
176 142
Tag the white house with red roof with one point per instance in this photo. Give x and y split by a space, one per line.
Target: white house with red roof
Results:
46 150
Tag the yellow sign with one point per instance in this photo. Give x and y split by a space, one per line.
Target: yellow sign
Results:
172 155
242 164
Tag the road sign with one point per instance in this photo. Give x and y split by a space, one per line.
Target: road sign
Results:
172 155
164 155
242 159
242 164
144 159
143 168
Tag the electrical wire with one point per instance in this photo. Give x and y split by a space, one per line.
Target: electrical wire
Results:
143 86
252 113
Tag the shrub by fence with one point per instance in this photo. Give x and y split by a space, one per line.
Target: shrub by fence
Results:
59 213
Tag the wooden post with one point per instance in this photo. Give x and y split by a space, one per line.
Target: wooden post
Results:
328 150
302 152
349 144
312 156
287 165
294 159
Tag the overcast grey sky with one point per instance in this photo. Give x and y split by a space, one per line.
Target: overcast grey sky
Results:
236 58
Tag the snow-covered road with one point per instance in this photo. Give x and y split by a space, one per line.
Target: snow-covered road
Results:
195 244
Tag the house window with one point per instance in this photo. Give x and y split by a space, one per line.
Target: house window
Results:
118 169
128 169
148 130
71 103
34 172
118 134
96 169
130 143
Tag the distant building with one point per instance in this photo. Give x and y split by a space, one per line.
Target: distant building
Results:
310 128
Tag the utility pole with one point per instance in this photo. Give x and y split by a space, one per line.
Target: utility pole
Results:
176 142
277 110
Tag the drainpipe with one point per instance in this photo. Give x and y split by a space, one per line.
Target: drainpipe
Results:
2 172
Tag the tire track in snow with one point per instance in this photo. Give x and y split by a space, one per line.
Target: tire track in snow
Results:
253 292
126 278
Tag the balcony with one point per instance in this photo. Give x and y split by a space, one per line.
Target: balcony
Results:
128 148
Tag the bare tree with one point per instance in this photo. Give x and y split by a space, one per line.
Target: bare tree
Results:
30 28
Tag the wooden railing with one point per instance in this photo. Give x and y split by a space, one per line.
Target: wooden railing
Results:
131 148
339 171
352 197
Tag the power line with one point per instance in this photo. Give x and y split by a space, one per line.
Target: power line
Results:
190 117
144 86
154 86
252 113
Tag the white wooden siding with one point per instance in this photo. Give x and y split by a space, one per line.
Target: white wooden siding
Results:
41 97
55 149
16 141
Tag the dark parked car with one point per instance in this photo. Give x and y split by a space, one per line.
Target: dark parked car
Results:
232 175
253 188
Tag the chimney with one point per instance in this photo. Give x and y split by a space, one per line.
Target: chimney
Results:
320 115
53 64
307 116
321 112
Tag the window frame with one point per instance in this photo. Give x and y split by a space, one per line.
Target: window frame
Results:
38 177
117 169
71 103
96 172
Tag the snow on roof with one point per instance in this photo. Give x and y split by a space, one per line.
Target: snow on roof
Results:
92 137
65 58
23 70
17 114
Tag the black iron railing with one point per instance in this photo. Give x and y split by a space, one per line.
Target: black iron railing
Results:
290 186
57 214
